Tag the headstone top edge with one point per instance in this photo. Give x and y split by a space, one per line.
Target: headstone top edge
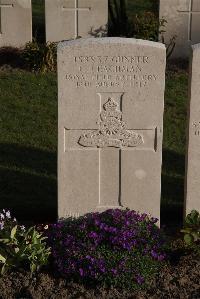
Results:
109 40
23 3
196 46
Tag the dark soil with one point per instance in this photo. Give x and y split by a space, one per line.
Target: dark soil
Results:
179 278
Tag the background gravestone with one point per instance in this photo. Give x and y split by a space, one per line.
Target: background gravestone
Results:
192 196
69 19
183 21
111 100
15 22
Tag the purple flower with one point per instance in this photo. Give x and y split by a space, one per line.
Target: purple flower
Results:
106 246
97 222
139 279
114 271
81 272
93 235
161 257
157 256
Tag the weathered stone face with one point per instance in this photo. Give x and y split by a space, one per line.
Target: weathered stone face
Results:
69 19
192 196
15 22
183 21
111 99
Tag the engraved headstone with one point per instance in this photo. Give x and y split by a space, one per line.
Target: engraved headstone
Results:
70 19
183 21
192 194
15 22
111 99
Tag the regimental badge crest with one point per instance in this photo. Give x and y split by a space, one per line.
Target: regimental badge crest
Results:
112 130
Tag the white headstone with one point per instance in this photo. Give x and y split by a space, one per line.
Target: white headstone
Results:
192 196
183 21
111 101
15 22
70 19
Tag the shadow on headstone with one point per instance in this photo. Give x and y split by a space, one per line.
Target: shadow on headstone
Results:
28 183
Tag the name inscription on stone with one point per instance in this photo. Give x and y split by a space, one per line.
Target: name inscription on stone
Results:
108 72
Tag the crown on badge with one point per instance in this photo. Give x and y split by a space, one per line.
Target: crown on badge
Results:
110 105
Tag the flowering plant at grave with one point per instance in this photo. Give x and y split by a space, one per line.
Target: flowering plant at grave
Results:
20 247
117 247
191 230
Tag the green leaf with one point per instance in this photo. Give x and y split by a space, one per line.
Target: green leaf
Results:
16 250
5 241
188 239
13 232
195 235
3 269
2 259
33 268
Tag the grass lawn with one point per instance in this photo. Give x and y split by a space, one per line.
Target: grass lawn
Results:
28 144
173 170
137 6
38 8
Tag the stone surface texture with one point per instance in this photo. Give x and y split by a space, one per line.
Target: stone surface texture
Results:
183 21
111 101
192 192
63 22
15 22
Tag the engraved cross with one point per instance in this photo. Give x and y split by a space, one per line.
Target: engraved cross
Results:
190 13
76 10
111 139
2 5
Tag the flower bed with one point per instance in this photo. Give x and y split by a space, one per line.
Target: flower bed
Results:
114 254
118 248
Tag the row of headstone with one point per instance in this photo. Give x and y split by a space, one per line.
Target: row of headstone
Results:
15 22
183 23
69 19
65 19
111 103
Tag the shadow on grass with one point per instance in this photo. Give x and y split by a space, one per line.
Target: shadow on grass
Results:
12 57
172 189
28 183
173 162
